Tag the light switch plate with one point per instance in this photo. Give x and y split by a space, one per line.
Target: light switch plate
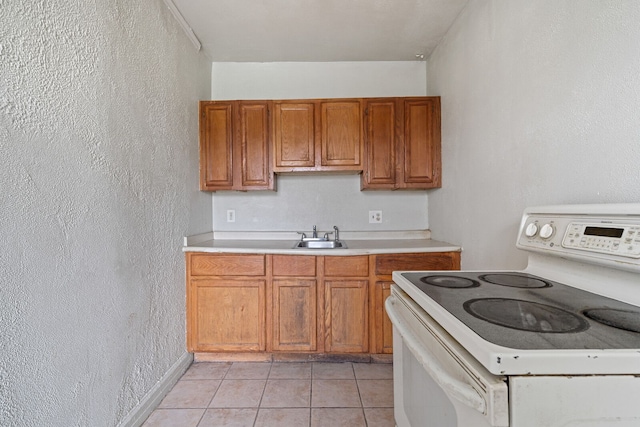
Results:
231 215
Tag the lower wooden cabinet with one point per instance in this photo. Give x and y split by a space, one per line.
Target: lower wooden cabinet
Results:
294 315
227 315
382 325
346 316
296 303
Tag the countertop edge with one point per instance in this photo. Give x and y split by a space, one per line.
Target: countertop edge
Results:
322 252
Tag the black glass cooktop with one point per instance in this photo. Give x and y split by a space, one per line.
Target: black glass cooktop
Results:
519 310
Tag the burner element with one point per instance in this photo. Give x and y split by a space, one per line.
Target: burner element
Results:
450 281
525 315
515 280
626 320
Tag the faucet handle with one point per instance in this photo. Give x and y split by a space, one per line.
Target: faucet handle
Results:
326 235
304 236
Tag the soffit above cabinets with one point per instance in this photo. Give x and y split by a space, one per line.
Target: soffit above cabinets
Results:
317 30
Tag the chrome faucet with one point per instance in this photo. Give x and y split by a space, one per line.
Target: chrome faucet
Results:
337 235
315 232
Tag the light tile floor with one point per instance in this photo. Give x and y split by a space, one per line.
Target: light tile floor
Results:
279 394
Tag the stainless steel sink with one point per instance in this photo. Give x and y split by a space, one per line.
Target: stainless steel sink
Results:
320 244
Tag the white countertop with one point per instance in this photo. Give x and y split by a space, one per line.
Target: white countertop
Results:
358 243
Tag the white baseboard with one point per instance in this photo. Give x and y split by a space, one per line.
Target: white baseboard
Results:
151 400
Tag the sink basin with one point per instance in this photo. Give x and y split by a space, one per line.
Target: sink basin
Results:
320 244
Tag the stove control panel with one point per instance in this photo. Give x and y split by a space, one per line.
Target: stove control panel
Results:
620 239
605 234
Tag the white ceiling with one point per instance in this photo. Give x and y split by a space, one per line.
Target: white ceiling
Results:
318 30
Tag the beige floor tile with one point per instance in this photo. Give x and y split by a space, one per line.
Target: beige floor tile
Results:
333 371
373 371
174 418
376 393
334 394
248 371
337 417
238 394
228 417
379 417
190 394
286 394
284 417
206 371
290 371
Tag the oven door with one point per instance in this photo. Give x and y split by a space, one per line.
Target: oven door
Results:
436 381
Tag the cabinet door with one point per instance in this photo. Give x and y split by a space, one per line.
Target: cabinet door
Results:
346 316
294 315
216 141
294 136
421 143
252 147
341 135
229 315
380 144
384 337
383 266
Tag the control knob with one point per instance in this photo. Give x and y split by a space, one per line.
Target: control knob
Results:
531 230
546 231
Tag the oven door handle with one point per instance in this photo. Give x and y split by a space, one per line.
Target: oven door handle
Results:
457 389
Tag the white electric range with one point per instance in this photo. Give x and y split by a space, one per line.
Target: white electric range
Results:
556 344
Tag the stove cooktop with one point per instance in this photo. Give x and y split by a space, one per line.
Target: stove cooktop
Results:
521 311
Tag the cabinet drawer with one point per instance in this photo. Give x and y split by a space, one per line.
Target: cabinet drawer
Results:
294 265
386 264
227 265
353 266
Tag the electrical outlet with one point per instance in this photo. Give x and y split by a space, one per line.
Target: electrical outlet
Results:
231 215
375 217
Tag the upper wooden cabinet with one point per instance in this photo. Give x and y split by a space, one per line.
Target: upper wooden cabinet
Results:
317 135
402 143
394 141
235 146
294 135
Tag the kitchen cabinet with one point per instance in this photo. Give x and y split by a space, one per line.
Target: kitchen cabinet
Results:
294 323
383 266
235 146
226 301
346 307
402 143
317 135
294 135
295 303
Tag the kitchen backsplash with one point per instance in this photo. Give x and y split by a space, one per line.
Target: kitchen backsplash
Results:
302 201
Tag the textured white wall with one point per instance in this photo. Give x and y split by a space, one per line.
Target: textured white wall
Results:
302 201
98 170
540 105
